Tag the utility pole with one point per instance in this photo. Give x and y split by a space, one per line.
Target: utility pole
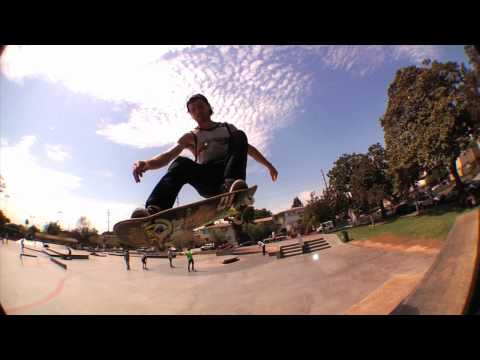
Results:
323 175
108 220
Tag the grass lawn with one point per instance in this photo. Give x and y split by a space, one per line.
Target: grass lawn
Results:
434 223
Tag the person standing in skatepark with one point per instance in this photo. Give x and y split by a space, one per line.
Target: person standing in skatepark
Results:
220 151
127 259
190 260
170 257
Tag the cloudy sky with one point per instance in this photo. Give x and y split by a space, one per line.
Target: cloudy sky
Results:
73 119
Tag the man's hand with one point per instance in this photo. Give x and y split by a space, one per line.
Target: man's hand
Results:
273 172
139 168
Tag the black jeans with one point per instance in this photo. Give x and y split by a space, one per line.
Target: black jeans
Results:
190 262
207 179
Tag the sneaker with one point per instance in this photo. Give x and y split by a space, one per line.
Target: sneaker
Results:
139 213
142 212
233 185
153 209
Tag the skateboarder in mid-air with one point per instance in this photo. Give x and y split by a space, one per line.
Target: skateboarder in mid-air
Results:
220 152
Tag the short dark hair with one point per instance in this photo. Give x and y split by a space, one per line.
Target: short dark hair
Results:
200 97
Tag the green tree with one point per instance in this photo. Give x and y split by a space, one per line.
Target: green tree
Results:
84 230
437 175
297 203
341 182
258 232
317 210
52 228
428 121
262 213
3 218
31 231
473 54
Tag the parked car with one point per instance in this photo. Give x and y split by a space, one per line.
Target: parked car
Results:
206 247
425 200
247 243
225 245
404 208
472 185
326 226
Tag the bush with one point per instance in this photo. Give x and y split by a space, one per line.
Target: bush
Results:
218 238
258 232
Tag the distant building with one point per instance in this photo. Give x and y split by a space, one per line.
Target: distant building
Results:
106 239
208 234
266 220
289 219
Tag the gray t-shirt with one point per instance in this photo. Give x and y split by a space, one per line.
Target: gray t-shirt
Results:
212 144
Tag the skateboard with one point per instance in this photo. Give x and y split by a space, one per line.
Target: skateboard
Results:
178 223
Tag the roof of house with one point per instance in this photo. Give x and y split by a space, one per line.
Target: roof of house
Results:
266 219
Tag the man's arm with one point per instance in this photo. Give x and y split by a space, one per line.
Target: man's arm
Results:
161 160
254 153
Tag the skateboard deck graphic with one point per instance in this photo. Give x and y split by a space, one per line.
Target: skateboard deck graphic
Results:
178 223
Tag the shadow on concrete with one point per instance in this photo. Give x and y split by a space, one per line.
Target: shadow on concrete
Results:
405 309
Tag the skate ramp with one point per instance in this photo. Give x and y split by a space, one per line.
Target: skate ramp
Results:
450 286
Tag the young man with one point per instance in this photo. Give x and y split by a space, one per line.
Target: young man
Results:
190 260
170 257
220 152
127 259
144 262
262 245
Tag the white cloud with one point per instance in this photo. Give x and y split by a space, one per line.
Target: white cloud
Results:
257 88
105 173
416 52
56 152
304 196
43 192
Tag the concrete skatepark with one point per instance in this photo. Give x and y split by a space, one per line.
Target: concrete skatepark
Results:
343 279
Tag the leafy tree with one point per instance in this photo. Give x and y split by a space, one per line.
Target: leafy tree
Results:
83 223
359 182
3 218
84 230
428 121
317 211
296 203
473 54
262 213
52 228
260 231
31 231
437 175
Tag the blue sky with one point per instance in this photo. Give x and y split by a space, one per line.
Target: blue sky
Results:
74 119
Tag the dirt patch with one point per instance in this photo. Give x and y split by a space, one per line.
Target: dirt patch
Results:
401 243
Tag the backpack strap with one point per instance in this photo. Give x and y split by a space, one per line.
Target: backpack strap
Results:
195 145
228 129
